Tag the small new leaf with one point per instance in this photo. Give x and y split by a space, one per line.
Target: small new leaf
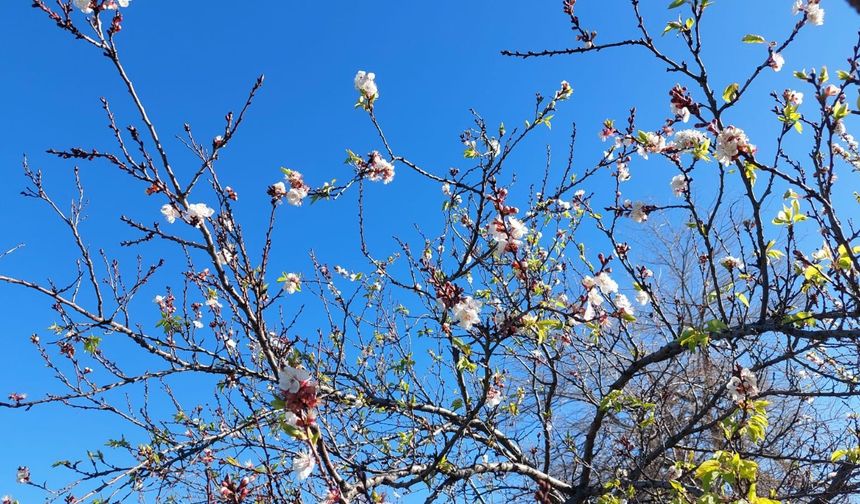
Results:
753 39
730 94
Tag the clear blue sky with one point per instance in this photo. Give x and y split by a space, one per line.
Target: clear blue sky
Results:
195 60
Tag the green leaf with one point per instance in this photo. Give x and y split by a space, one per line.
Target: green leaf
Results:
677 3
750 172
672 25
730 94
707 468
293 431
91 344
838 454
840 111
753 39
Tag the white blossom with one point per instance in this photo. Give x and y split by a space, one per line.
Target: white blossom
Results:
651 143
605 283
223 257
797 7
793 97
379 169
292 282
199 211
776 61
814 358
467 312
295 196
298 189
170 213
642 298
594 298
822 254
623 304
279 189
303 464
730 263
731 142
290 418
682 113
290 379
623 172
680 185
23 474
588 315
638 213
494 397
507 233
84 6
365 82
689 139
743 386
815 14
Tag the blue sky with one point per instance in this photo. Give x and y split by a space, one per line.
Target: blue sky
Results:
194 61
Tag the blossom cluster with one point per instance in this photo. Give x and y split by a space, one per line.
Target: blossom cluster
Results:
742 385
732 263
298 391
378 169
731 143
793 97
506 231
600 287
638 210
813 10
292 282
689 140
494 393
23 475
297 190
87 6
195 214
680 185
507 234
365 84
680 103
467 312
